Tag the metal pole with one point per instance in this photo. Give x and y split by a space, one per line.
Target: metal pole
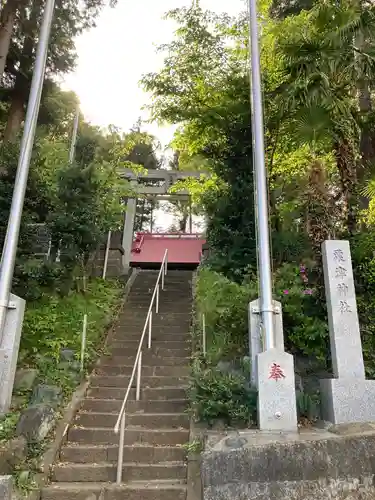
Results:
139 373
190 217
83 342
74 137
106 255
11 239
266 306
204 333
120 459
149 329
157 299
152 215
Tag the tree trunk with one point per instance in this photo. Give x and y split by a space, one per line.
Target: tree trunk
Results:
7 19
367 137
348 180
16 115
21 89
367 140
183 222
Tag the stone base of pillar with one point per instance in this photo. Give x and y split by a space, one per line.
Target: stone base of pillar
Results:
348 400
277 406
6 487
9 350
256 343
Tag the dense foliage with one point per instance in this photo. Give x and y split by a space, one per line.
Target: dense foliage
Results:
318 83
69 206
318 77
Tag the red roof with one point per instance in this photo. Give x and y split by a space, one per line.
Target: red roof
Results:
182 248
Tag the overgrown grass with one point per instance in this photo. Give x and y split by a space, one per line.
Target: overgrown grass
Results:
224 304
54 322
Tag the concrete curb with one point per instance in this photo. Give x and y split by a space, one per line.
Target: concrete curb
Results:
194 481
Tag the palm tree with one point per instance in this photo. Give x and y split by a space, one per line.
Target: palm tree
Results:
323 95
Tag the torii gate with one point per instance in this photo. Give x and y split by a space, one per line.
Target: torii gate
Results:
167 178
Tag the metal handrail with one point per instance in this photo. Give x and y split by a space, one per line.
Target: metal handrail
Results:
120 423
106 255
204 337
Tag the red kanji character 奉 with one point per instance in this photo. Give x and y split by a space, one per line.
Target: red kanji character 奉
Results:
276 372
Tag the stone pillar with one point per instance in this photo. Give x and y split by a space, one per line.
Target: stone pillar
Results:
9 350
6 487
348 397
255 337
127 236
272 372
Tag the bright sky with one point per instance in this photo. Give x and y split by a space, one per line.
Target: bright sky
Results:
114 56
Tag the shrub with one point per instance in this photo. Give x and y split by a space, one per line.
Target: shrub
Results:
304 316
224 304
215 395
362 249
54 322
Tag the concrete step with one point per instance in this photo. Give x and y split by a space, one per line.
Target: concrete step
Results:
154 437
109 453
158 326
148 360
157 343
170 291
106 472
146 420
164 309
158 393
171 295
166 490
173 282
164 299
124 333
179 305
147 371
150 406
136 323
153 351
123 381
139 313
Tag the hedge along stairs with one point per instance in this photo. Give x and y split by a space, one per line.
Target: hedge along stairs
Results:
157 426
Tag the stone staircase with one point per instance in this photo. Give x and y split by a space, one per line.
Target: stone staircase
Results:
157 426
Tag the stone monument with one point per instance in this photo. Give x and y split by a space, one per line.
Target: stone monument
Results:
272 372
348 397
9 350
6 487
256 342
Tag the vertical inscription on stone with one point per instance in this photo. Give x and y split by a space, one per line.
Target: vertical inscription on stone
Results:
346 348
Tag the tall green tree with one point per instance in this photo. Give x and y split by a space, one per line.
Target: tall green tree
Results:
70 20
204 89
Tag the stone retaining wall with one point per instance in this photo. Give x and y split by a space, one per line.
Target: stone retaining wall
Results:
313 465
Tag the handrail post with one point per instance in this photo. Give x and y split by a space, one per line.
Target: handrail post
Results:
166 262
157 299
149 330
162 279
108 246
83 342
204 333
121 450
139 371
